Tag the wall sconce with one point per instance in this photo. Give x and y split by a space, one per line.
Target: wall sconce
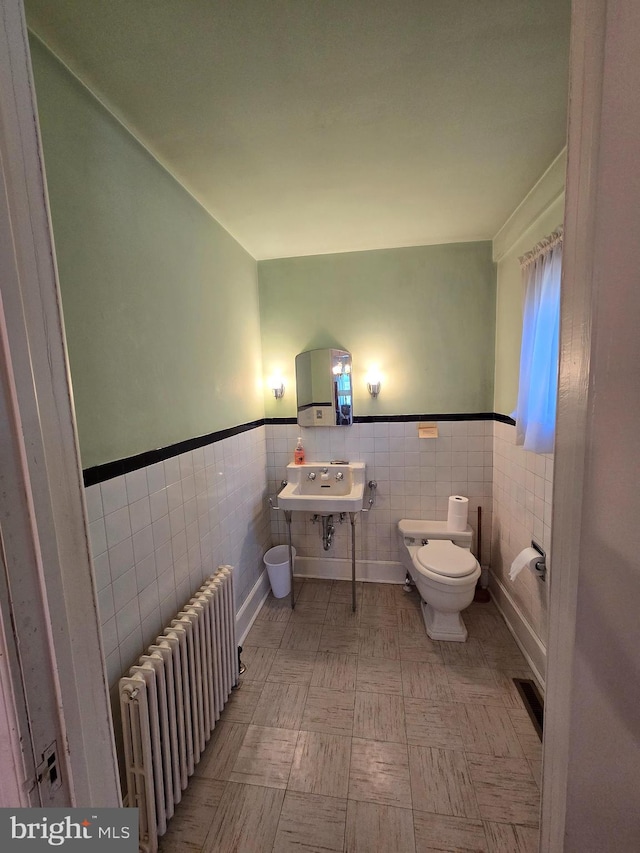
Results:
373 383
276 383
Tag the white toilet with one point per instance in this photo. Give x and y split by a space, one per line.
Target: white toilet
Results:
444 571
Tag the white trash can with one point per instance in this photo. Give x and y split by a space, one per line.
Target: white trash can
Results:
277 562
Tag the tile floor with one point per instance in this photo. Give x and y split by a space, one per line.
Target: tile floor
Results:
356 733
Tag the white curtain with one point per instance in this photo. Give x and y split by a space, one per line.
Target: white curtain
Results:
535 414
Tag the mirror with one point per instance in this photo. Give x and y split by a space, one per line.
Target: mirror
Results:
324 390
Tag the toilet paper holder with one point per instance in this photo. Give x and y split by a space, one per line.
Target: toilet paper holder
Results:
541 565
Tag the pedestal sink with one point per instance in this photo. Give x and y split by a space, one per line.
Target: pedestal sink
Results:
324 487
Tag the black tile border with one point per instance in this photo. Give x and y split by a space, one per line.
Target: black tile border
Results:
109 470
100 473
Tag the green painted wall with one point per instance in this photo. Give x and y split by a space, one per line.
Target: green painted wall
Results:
510 297
425 316
160 303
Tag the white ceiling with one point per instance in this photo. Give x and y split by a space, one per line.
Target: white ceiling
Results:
313 126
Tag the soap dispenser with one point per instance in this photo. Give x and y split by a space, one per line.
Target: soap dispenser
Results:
298 453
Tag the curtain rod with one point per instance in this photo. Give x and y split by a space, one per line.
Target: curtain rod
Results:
542 248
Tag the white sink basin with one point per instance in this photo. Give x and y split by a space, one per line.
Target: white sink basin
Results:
324 487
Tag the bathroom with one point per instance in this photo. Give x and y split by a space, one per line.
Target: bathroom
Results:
207 327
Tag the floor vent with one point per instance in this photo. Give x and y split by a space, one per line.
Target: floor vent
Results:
533 702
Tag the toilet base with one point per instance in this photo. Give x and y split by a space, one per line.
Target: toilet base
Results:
443 626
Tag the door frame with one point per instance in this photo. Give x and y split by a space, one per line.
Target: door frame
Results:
46 421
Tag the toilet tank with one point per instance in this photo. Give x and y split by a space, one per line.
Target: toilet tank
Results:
412 528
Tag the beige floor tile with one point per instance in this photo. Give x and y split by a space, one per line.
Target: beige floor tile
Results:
507 838
379 773
309 612
379 643
484 625
432 723
329 711
302 636
316 693
527 735
436 833
280 705
266 634
463 654
292 667
410 621
221 752
505 789
321 764
341 614
502 652
257 661
474 685
504 679
334 671
310 823
482 607
379 595
242 702
265 757
409 600
315 590
275 610
441 778
188 828
374 616
535 765
372 827
419 647
488 730
425 681
245 821
340 639
341 592
377 675
379 716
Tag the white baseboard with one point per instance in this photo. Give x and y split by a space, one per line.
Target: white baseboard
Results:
373 571
530 644
245 617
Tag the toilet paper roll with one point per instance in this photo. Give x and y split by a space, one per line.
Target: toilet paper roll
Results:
526 559
458 513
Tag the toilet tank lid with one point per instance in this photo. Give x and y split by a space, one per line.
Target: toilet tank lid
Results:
419 529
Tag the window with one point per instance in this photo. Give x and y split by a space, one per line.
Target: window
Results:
535 414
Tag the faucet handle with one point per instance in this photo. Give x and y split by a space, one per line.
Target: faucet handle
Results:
311 475
339 476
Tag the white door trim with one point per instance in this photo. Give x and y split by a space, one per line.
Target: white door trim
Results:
16 754
43 392
588 30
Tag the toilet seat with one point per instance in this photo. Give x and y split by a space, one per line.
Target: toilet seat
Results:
442 557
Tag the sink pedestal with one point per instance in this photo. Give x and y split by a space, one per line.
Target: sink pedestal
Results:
352 519
325 489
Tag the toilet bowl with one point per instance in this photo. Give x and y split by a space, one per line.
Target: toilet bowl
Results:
444 571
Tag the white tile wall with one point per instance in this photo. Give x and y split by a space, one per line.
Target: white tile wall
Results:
182 517
415 478
157 533
522 491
